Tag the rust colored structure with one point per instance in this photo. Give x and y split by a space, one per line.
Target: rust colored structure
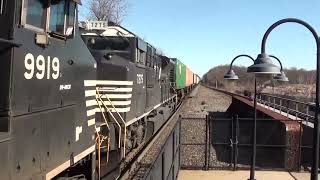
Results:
289 131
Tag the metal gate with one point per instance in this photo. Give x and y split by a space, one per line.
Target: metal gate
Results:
224 134
278 143
214 141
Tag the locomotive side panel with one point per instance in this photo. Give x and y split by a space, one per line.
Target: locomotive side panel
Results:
141 75
47 112
153 86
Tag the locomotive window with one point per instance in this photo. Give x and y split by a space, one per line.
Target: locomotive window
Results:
62 15
70 20
141 57
35 13
57 10
147 59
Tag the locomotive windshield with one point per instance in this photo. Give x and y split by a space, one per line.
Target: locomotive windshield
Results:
59 14
116 45
109 43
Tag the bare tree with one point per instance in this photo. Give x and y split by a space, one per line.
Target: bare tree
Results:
111 10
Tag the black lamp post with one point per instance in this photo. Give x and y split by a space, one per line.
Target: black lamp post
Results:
263 66
315 159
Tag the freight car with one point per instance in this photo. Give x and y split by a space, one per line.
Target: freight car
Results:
183 79
63 102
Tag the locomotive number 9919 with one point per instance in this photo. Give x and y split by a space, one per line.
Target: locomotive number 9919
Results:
41 68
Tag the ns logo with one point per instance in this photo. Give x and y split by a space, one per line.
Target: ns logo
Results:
41 68
139 78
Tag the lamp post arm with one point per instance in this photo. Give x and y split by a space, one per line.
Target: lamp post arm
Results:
278 61
241 55
287 20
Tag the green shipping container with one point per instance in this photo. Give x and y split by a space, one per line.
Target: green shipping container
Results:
180 74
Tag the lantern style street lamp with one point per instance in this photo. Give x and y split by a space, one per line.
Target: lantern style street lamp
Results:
282 76
263 65
264 57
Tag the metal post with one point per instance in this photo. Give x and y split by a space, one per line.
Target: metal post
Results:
288 107
236 145
254 134
307 119
315 163
232 143
207 155
297 110
300 144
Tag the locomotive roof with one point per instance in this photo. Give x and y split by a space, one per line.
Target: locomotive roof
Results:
115 30
109 31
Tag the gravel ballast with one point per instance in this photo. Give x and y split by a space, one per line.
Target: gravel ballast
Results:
194 127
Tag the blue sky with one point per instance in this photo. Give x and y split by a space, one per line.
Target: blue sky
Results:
207 33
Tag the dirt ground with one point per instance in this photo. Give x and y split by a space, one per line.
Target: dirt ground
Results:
240 175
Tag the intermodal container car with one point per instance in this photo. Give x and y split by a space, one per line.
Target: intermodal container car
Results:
189 77
180 74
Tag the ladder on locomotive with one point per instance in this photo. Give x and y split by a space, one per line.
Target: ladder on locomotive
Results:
104 109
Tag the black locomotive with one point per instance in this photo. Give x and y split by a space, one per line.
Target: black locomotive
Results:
131 97
43 65
74 103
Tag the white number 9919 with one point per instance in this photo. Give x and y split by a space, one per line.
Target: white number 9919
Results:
40 67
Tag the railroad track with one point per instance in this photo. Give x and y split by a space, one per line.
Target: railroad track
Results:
131 167
226 92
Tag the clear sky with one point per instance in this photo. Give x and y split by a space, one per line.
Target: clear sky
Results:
207 33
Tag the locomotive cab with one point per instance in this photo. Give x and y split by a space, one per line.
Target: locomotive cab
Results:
43 66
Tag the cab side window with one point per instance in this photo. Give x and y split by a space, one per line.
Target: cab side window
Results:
35 13
141 59
57 9
53 16
2 7
141 52
148 57
62 14
71 12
